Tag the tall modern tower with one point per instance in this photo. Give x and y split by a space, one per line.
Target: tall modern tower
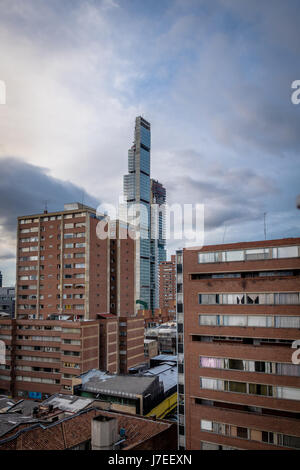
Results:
158 239
137 194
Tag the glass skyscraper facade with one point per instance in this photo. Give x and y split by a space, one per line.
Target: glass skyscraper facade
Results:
138 194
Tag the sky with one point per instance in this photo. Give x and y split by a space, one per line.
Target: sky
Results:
213 78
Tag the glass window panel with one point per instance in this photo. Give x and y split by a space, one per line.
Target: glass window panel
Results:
288 252
236 364
242 432
235 320
288 393
206 257
257 253
257 320
288 369
287 322
212 362
233 299
206 425
238 387
234 255
291 298
208 299
207 319
211 384
291 441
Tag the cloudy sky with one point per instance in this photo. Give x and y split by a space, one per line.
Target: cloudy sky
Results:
212 76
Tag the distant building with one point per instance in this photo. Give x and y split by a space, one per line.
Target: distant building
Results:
131 342
165 335
0 279
167 287
129 393
150 348
159 316
158 239
7 301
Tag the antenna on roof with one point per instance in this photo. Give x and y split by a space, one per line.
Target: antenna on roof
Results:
224 233
265 226
46 207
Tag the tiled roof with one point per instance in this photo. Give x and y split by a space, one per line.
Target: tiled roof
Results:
75 430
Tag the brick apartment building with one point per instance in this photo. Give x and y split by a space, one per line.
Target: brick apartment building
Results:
167 286
131 342
238 312
66 273
43 356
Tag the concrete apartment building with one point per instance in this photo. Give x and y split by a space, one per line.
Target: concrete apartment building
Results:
67 280
167 286
238 313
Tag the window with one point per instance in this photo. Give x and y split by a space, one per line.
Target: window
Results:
288 252
206 425
242 432
212 362
207 319
258 253
235 320
237 387
206 257
208 299
287 298
234 255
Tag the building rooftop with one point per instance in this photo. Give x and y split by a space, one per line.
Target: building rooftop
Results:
11 421
5 403
24 407
167 373
69 403
165 358
120 385
76 429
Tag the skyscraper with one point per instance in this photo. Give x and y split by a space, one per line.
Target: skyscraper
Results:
140 192
158 241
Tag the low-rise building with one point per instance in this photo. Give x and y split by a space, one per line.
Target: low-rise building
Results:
89 428
150 348
165 335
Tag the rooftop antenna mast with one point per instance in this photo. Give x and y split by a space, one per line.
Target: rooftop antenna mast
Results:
265 226
224 233
46 207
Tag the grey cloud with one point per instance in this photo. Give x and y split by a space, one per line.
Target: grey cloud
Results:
24 188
